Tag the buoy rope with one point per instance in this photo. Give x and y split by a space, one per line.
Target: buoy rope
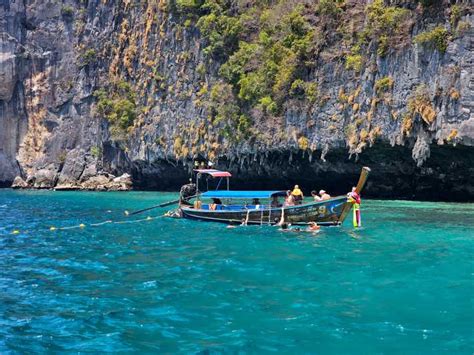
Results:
82 225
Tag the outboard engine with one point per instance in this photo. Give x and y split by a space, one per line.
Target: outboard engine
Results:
187 191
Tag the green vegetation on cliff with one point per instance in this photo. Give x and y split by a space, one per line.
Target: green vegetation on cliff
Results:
260 65
269 51
436 38
117 104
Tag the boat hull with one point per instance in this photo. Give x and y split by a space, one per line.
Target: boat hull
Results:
329 212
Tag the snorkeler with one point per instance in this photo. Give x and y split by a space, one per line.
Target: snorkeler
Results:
313 227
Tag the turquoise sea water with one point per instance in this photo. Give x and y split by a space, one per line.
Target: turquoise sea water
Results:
401 284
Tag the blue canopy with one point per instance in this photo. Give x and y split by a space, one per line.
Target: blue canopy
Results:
242 194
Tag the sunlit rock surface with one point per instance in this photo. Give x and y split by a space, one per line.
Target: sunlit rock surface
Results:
54 56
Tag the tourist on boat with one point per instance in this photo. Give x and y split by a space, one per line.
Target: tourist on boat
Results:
297 195
324 195
215 202
315 195
275 202
289 200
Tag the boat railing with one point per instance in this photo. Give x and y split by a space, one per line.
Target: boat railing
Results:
241 205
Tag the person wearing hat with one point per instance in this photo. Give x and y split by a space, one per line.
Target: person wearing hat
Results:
324 195
297 195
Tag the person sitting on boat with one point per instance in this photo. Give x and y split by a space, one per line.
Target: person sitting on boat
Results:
256 203
289 200
315 195
275 202
297 195
324 195
215 203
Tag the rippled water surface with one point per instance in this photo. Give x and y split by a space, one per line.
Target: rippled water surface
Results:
403 283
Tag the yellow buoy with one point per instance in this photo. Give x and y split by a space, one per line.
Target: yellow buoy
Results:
82 225
16 232
52 228
126 213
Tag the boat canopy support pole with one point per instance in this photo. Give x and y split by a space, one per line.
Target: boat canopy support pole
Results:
219 184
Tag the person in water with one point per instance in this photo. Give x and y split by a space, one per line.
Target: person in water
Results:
297 195
313 227
232 225
243 222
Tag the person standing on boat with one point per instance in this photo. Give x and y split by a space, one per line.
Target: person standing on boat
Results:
297 195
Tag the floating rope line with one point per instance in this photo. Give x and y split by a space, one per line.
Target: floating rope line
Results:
82 225
137 220
100 223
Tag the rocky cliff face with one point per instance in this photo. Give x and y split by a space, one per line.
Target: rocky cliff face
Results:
300 91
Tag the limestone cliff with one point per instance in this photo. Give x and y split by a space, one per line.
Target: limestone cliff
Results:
301 91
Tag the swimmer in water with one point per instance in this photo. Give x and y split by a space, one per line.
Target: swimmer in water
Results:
313 227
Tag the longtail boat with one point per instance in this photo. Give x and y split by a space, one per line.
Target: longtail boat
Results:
233 207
